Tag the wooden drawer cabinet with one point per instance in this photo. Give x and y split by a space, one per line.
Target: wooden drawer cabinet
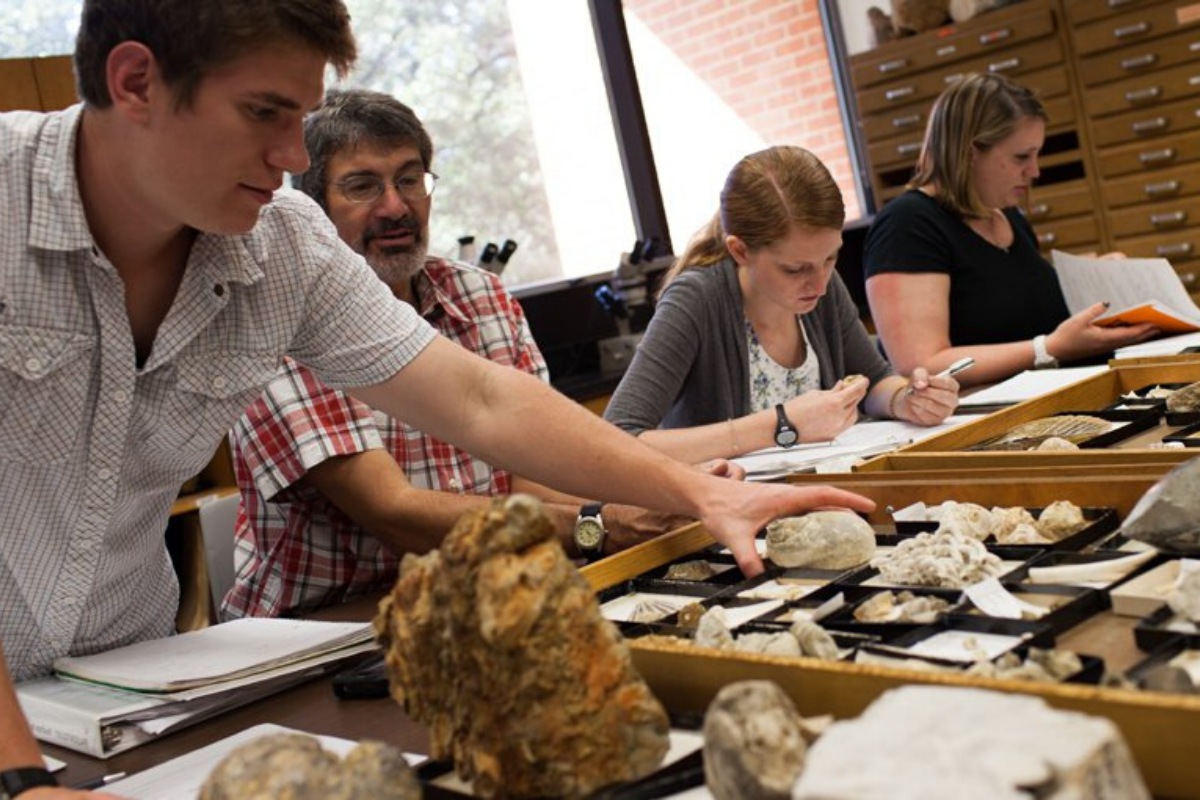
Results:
1146 156
1143 91
1146 124
1181 249
1076 233
1080 11
1152 187
1166 216
900 59
1055 202
1141 58
1148 22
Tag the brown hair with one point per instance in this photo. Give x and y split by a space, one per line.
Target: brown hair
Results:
766 195
191 37
354 117
974 113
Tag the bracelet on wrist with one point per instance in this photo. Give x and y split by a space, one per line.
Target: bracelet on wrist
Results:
894 401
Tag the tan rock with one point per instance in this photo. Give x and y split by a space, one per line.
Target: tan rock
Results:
290 766
497 643
821 540
753 743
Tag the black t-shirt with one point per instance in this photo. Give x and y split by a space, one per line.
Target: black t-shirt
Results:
995 295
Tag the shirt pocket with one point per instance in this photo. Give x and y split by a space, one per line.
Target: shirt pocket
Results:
44 379
190 409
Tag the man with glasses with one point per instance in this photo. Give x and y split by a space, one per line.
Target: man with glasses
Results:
327 503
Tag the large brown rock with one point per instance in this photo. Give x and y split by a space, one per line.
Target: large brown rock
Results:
496 643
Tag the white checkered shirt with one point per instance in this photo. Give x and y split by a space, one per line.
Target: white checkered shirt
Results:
93 449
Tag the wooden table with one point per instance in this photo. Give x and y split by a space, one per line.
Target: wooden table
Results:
310 707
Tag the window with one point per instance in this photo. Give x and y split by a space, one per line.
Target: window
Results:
723 79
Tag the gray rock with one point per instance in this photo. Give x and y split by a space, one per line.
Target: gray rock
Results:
821 540
1168 514
753 743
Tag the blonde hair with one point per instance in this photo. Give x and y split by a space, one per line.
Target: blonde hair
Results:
974 113
766 195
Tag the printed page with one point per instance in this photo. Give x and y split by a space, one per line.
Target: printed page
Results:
1169 346
1124 283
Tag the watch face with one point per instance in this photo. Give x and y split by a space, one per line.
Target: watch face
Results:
588 534
785 437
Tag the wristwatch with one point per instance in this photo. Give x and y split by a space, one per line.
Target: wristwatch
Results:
786 434
14 782
589 532
1041 356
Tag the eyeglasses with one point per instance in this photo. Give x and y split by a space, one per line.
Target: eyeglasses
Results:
411 186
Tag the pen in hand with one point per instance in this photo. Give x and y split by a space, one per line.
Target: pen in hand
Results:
99 783
958 366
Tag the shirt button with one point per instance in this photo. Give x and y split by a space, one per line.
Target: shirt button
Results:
120 396
104 473
34 366
219 382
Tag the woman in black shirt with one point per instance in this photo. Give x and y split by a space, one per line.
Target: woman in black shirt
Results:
953 267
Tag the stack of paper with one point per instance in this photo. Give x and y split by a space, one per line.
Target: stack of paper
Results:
107 703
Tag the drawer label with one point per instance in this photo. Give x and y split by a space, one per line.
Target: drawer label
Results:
1187 15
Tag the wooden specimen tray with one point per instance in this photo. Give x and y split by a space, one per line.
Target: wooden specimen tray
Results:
951 450
1158 727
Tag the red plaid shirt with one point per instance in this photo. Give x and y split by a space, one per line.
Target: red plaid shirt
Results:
295 550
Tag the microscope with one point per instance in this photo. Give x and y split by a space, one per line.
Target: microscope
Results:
627 300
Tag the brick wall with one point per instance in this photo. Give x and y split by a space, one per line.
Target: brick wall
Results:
767 60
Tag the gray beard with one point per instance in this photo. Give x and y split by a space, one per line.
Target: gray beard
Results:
395 268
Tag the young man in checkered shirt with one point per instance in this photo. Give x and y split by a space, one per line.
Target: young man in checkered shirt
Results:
332 492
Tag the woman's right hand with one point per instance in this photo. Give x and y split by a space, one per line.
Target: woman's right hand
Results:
823 414
1077 337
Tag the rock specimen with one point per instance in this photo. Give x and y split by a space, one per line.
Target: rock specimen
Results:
938 743
497 643
938 559
1060 519
753 743
1185 399
821 540
900 607
803 638
1074 428
1168 515
1185 599
690 571
289 766
966 519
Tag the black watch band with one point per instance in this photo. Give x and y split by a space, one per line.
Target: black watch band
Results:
786 434
14 782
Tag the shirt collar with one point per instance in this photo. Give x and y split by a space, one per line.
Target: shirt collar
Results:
437 293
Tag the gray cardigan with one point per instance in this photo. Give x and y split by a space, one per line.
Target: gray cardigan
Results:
693 365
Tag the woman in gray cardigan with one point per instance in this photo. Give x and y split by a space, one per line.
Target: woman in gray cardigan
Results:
755 339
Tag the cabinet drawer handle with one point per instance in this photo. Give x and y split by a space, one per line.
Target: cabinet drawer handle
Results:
1149 125
1039 210
1187 278
1139 62
949 79
946 50
1136 29
1151 157
1143 95
1161 189
1181 249
903 91
906 121
908 148
1005 65
998 35
1047 238
1118 3
893 65
1169 219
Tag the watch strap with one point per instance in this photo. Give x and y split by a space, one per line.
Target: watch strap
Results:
14 782
786 434
1041 356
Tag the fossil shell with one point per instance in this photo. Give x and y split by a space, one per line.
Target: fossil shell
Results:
821 540
1023 534
1185 600
901 607
1057 443
814 640
1028 435
652 610
690 571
